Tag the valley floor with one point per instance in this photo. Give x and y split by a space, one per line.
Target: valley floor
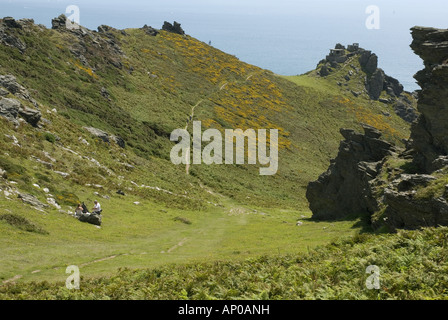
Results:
148 235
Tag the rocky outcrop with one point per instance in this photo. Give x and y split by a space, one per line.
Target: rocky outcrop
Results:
392 86
174 28
344 189
150 30
106 137
31 116
405 196
91 218
9 109
10 22
88 42
10 33
405 111
9 82
405 209
59 22
430 133
376 82
32 201
12 108
368 61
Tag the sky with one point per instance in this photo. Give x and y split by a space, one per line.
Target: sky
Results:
286 36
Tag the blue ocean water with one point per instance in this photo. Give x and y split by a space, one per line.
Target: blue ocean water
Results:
288 37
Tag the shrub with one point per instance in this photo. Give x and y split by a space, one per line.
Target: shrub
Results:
66 198
11 168
183 220
49 137
22 223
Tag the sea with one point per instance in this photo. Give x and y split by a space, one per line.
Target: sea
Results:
288 37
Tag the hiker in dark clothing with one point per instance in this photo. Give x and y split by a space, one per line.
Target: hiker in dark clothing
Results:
84 208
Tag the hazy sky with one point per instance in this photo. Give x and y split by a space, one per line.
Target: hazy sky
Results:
411 11
286 36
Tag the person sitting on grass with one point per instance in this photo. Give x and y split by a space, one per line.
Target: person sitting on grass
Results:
96 208
79 211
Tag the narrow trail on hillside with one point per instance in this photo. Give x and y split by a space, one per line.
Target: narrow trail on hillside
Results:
180 244
191 117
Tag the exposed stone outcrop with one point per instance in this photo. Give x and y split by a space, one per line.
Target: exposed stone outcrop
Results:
368 61
400 197
150 30
430 133
9 109
32 201
91 218
106 137
392 86
9 82
375 84
344 189
10 30
12 108
59 22
376 81
174 28
405 111
31 116
88 40
404 209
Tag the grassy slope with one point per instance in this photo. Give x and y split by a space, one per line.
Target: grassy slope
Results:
150 236
162 78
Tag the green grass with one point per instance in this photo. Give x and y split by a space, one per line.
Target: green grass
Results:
412 265
162 78
217 212
149 235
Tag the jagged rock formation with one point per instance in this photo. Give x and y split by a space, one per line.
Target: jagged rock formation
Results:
376 81
403 109
397 198
430 133
9 82
11 108
150 30
9 31
404 209
344 189
88 39
175 28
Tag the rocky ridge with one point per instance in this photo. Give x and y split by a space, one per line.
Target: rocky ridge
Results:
396 188
377 85
344 189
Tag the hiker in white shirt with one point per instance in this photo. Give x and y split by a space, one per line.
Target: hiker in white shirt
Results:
96 207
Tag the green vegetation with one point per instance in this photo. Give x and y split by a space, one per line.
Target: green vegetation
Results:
436 188
153 92
167 223
21 223
50 137
412 265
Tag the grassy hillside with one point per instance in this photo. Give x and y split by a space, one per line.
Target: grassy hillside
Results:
141 87
153 91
